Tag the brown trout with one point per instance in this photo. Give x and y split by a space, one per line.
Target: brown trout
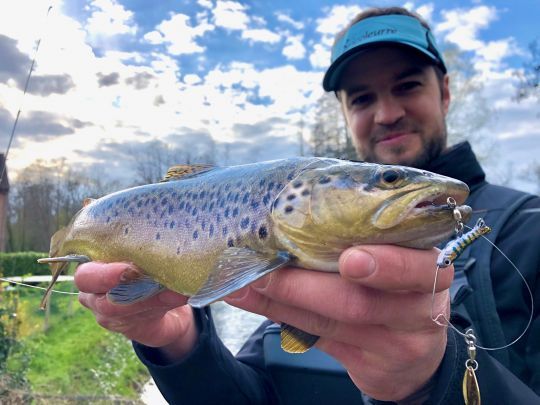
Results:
206 232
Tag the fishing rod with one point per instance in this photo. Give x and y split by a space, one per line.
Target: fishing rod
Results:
12 135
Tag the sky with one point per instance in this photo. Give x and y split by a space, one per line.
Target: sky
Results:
239 79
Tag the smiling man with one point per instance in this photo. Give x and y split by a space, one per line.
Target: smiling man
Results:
374 318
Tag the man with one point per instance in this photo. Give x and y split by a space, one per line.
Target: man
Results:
375 317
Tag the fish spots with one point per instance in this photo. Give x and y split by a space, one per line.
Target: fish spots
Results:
266 199
289 209
245 199
158 236
139 204
164 201
172 224
171 209
194 212
255 204
224 231
290 176
227 212
126 231
235 212
244 223
211 230
298 184
230 242
324 179
291 197
263 232
195 235
108 219
181 205
305 192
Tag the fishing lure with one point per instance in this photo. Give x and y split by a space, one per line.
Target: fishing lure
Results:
455 247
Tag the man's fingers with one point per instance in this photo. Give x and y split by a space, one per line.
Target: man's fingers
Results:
163 301
98 278
394 268
344 301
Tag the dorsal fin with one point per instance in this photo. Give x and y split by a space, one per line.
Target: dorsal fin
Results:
87 201
179 172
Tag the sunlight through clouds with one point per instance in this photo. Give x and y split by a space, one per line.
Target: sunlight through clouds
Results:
110 72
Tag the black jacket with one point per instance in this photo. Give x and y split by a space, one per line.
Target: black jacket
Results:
211 374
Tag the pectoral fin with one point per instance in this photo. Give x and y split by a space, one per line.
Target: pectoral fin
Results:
236 268
294 340
136 288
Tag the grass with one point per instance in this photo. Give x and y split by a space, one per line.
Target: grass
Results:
75 356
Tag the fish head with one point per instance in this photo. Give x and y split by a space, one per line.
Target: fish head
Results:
354 203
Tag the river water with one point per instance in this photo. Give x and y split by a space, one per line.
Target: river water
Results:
233 326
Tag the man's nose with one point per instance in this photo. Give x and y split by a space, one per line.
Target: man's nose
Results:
388 111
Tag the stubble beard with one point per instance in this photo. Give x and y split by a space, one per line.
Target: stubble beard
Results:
431 149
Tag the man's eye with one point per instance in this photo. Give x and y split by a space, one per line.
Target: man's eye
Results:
408 86
362 99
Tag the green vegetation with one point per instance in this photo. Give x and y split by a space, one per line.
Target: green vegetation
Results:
74 359
22 263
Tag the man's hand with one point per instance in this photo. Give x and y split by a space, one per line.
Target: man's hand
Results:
375 318
163 321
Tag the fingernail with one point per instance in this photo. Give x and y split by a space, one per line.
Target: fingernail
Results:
237 295
358 264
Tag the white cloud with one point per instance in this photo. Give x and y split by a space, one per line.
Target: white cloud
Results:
336 19
205 3
191 79
461 27
299 25
178 34
426 11
294 49
230 15
261 35
109 18
320 56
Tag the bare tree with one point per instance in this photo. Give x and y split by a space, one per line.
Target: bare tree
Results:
529 76
469 111
330 136
153 159
44 198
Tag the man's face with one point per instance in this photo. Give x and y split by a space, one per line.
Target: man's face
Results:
394 107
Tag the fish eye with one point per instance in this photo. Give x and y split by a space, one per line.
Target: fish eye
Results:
390 176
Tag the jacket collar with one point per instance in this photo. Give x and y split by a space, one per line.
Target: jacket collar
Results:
459 162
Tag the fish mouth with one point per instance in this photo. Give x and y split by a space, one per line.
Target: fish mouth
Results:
424 201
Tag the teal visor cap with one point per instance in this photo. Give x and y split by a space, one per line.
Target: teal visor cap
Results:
401 30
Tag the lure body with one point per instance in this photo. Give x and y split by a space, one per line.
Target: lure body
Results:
454 248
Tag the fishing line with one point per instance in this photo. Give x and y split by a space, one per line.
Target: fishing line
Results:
37 287
467 335
12 135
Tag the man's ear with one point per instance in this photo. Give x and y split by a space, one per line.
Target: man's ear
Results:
446 94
